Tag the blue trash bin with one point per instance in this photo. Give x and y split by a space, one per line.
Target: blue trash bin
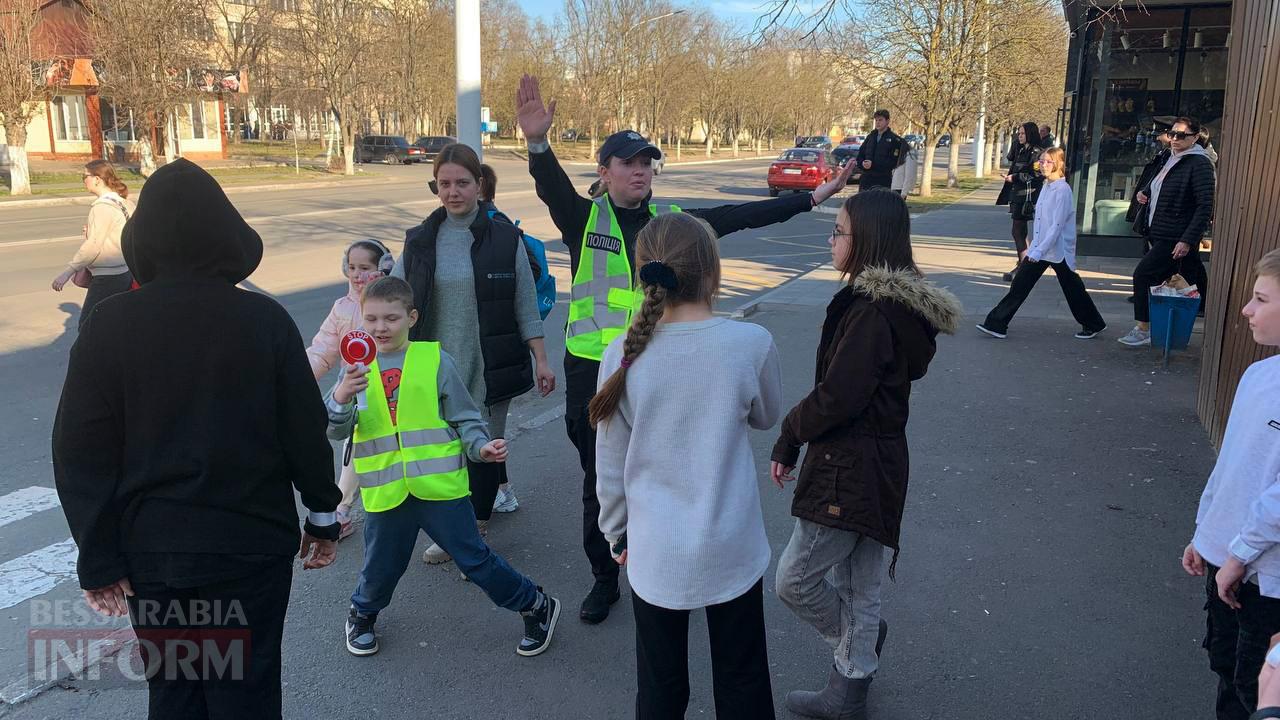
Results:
1172 320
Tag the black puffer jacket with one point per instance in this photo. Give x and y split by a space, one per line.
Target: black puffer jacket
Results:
1184 207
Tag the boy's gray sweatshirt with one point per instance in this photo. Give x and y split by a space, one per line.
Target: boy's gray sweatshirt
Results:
456 406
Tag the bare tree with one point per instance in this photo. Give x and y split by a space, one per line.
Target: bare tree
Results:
243 33
336 39
22 87
151 52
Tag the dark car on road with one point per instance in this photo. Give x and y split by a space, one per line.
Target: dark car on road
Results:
432 144
821 142
800 169
390 149
945 141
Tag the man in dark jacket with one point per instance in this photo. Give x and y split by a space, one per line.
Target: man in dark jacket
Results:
188 417
627 174
880 154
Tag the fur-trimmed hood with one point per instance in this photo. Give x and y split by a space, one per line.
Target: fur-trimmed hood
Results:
936 306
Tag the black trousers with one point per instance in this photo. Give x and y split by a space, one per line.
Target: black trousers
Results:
484 479
874 181
583 437
242 618
739 659
1029 272
101 288
1159 265
1237 641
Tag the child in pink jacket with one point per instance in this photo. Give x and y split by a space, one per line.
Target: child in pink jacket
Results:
363 262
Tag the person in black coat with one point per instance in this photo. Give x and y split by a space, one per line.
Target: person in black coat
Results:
1021 185
188 418
880 154
1178 206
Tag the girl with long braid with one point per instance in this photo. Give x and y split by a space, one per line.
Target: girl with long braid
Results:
676 478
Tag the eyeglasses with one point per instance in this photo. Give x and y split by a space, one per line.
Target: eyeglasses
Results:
1178 135
835 234
86 176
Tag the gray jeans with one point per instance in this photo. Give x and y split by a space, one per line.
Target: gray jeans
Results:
845 607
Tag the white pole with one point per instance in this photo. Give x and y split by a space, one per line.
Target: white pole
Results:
467 28
980 136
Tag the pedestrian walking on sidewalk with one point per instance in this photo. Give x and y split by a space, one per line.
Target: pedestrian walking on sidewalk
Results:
1022 183
476 296
878 338
678 489
1053 245
363 262
98 264
1236 546
187 419
413 438
1179 207
600 235
880 154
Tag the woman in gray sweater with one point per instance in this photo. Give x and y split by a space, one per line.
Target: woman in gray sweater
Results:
475 293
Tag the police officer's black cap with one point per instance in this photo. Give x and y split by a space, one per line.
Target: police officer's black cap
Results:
626 145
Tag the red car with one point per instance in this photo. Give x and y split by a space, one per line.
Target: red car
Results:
801 169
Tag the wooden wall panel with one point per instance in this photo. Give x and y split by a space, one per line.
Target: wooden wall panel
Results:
1247 214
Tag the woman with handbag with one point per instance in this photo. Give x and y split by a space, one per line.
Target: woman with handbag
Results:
1177 208
1023 182
98 265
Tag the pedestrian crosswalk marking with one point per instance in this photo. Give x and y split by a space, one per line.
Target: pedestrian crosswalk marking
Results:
36 573
27 501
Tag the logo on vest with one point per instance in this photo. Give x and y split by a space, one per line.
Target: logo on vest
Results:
596 241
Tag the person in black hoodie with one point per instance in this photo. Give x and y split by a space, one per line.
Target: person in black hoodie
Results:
1022 182
188 418
626 175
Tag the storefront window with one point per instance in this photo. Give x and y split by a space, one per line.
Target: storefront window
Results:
1138 76
69 118
117 122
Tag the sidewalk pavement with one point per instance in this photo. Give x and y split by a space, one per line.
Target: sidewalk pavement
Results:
1054 484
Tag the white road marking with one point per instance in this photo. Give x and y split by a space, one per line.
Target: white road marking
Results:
27 501
36 573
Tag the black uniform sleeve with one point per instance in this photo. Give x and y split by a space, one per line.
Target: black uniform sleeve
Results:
88 463
1202 183
302 425
568 209
726 219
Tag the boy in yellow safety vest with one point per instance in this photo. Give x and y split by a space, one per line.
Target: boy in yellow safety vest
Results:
410 447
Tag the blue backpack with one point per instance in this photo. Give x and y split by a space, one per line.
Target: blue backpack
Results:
543 280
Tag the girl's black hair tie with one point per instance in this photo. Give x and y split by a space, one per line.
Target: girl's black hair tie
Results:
656 272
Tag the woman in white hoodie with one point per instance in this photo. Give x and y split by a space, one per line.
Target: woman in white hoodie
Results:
100 253
1053 245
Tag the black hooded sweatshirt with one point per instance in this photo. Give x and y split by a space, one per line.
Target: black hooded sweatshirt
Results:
189 413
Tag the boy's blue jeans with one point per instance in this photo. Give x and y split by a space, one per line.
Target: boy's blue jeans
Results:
389 539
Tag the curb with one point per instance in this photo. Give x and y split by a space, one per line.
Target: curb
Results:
756 304
229 189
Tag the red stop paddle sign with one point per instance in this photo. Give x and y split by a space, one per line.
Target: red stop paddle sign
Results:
358 347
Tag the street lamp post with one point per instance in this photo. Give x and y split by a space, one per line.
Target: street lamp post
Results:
467 53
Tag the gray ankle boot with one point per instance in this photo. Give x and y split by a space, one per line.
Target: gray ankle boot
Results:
842 699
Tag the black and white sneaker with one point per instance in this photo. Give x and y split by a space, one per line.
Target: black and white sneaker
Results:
361 639
1087 334
539 626
992 333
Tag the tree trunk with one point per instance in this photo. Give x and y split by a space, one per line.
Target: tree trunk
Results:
678 139
710 140
953 162
171 137
349 145
19 171
926 173
995 155
146 155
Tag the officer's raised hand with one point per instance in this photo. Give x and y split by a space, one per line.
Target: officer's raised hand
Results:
534 117
833 186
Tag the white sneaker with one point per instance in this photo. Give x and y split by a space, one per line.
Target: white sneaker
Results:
1137 337
505 501
435 555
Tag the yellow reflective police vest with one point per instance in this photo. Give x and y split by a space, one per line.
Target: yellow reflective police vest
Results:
418 454
603 296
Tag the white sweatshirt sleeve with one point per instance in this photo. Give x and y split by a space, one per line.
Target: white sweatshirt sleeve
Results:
1262 528
613 437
